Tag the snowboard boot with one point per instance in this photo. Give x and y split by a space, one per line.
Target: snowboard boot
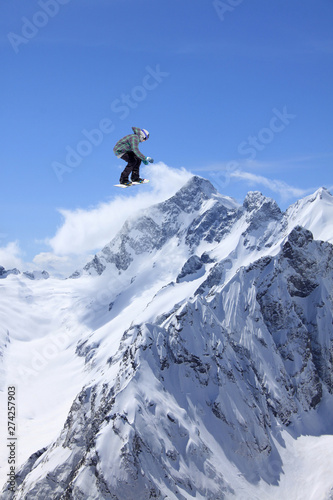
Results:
126 182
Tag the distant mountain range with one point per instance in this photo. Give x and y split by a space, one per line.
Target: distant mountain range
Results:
183 359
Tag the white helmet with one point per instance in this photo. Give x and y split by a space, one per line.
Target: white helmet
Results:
144 134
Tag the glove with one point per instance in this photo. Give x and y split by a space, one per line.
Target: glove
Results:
151 160
145 161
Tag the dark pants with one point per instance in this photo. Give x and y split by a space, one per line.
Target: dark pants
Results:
133 166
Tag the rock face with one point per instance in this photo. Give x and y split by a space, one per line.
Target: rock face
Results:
194 214
234 345
32 275
4 272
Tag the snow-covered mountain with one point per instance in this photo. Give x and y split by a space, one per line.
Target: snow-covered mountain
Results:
191 358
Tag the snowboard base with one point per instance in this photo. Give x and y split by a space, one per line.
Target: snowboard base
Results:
132 184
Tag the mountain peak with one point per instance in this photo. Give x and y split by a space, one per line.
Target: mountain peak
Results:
5 272
260 209
314 212
323 193
190 196
197 182
254 200
157 225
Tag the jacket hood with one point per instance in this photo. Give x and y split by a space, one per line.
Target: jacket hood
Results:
136 130
139 132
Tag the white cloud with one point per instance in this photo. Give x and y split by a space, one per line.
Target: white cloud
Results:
223 173
231 165
282 188
86 231
90 229
10 255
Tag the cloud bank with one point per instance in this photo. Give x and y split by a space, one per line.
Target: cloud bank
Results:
87 230
10 255
280 187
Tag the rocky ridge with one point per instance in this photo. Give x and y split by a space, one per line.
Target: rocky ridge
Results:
194 399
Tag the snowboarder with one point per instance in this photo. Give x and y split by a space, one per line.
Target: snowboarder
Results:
127 149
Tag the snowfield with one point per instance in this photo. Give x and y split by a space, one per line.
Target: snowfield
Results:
191 358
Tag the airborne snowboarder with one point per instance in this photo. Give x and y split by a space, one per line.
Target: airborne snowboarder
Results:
127 149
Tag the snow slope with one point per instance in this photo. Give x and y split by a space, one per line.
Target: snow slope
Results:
191 358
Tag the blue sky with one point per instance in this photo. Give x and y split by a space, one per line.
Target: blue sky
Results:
237 91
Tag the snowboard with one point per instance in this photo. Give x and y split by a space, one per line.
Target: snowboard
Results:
133 184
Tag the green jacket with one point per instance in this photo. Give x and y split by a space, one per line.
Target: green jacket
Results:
129 143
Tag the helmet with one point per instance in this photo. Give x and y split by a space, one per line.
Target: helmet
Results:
144 134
